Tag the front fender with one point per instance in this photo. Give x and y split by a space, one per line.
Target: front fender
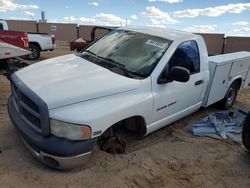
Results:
102 113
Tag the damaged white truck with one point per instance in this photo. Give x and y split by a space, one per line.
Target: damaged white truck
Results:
128 84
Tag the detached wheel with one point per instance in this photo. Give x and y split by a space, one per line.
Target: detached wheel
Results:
246 133
35 52
230 97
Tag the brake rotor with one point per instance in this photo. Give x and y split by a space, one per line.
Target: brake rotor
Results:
113 145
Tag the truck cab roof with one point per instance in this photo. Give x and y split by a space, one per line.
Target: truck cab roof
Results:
170 34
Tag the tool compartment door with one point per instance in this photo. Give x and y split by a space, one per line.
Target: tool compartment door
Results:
247 80
240 67
219 84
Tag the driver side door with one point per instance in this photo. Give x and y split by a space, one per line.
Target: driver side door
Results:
174 100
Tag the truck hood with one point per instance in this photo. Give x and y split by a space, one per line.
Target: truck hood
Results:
70 79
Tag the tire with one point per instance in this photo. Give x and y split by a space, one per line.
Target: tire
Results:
246 133
35 52
228 101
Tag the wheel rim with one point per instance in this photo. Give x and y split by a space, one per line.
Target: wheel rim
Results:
231 95
34 53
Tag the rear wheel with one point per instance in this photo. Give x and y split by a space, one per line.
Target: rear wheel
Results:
35 52
228 101
246 133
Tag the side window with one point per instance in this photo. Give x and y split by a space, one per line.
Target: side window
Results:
1 26
187 56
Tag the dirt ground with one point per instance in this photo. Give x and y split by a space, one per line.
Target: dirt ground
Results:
170 157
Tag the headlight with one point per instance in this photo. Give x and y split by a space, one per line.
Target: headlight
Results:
69 131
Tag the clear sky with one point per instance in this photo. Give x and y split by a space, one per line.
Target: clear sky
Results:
216 16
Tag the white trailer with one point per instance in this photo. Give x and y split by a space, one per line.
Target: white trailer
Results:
9 61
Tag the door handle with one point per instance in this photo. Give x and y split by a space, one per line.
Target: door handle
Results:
199 82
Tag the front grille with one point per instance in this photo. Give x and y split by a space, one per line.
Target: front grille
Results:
31 108
27 109
30 103
32 119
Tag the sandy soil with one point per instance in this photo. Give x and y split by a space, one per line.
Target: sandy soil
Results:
170 157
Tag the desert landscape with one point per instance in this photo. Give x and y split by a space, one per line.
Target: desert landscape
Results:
170 157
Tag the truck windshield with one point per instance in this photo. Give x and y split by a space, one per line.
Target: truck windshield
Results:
135 53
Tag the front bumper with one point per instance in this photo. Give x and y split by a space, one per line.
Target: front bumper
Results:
52 151
56 161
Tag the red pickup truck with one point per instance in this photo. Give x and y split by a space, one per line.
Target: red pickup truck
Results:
16 38
81 44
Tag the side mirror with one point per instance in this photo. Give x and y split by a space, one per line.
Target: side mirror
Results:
179 74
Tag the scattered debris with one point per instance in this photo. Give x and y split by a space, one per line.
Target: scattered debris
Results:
226 125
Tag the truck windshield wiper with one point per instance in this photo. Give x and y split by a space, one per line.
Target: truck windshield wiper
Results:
115 64
121 67
92 53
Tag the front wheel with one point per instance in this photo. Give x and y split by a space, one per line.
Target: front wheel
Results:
228 101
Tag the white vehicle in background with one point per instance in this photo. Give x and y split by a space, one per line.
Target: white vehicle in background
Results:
37 41
40 42
128 84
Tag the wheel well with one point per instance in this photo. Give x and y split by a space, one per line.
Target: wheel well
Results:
35 44
129 128
239 82
136 124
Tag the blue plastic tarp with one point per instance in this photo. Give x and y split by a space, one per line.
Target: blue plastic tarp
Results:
222 124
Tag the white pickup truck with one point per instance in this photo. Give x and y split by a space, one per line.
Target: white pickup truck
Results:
40 42
128 84
37 41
